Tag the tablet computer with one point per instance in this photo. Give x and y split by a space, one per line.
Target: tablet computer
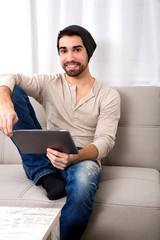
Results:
37 141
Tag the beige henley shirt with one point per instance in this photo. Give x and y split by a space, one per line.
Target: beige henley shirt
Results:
93 120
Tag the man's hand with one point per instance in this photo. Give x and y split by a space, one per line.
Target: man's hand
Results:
61 160
8 116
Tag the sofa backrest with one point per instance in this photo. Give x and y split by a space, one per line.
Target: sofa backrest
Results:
138 136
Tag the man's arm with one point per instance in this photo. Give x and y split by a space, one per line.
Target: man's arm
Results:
63 160
32 85
105 134
8 116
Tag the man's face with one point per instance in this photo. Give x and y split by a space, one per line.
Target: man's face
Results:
73 55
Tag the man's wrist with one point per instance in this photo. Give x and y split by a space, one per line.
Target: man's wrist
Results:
75 158
90 152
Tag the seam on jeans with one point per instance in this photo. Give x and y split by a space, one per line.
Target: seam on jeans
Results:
42 173
25 190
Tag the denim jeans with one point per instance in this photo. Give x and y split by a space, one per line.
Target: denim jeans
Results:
82 183
35 165
82 179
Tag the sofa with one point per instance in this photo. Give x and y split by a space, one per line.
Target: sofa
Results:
127 205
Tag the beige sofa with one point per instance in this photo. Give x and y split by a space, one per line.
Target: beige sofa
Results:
127 206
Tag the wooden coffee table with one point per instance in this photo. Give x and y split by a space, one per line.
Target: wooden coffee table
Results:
17 223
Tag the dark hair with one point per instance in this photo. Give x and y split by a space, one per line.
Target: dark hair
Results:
87 39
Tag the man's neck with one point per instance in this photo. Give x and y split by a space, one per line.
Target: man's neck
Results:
82 80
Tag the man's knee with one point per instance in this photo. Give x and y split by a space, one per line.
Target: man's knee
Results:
84 182
88 172
18 94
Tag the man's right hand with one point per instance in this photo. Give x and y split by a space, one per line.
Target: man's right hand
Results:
8 116
7 120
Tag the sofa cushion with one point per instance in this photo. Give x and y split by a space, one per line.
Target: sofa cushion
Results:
136 146
119 186
121 222
17 190
129 186
140 106
138 136
8 152
127 205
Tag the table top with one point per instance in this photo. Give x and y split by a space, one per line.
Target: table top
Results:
27 223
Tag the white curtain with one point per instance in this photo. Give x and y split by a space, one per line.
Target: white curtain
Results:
127 33
15 36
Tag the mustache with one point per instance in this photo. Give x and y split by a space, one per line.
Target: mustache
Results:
73 62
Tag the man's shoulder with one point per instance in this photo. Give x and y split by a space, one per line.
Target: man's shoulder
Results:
54 76
105 90
51 80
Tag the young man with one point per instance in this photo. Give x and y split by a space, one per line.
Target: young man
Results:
75 101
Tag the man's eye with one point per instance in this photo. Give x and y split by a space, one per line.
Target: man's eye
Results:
77 50
63 51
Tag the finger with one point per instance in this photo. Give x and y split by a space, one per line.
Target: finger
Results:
10 124
57 153
10 128
4 126
54 159
53 152
57 162
58 165
3 123
61 167
15 120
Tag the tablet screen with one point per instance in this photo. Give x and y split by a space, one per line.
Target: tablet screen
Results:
37 141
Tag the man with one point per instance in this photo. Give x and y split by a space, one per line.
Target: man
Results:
75 101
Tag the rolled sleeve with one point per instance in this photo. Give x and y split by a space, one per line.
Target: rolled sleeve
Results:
32 84
8 80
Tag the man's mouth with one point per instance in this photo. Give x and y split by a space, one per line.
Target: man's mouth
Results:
71 65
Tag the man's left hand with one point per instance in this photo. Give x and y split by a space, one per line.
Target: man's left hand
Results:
60 160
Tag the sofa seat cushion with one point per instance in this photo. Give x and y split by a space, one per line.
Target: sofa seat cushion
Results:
130 197
17 190
119 186
129 186
127 197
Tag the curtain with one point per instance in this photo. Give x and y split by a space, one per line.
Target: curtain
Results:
127 33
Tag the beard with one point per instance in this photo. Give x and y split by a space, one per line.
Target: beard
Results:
74 72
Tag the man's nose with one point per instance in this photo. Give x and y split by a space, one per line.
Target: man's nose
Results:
71 56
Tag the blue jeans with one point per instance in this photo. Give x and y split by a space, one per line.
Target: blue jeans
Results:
82 179
82 183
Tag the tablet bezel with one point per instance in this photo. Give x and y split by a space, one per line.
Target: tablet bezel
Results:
36 141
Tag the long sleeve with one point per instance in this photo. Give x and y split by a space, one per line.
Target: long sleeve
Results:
106 129
33 84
